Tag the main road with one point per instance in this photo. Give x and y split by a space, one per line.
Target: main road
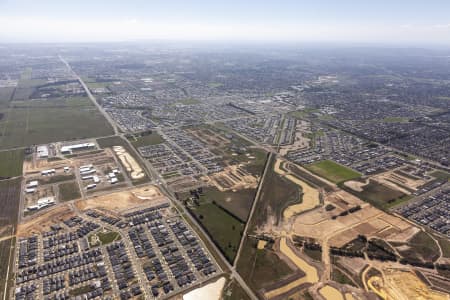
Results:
159 180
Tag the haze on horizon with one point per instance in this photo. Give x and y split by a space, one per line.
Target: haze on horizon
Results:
412 22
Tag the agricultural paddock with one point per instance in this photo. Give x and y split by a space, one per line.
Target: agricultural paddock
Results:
39 122
11 163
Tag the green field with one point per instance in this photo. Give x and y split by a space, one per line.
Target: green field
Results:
237 203
146 140
11 163
69 191
224 229
332 171
422 247
276 194
234 291
38 122
260 268
5 260
379 195
108 237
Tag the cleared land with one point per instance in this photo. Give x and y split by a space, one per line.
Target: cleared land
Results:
309 197
124 200
377 194
332 171
69 191
130 164
38 122
11 163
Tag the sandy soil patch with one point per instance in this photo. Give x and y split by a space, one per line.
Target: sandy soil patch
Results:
349 296
309 198
124 200
129 163
330 293
211 291
233 178
42 222
311 274
397 181
403 285
261 244
356 185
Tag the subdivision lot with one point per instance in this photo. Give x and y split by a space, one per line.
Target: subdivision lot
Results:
332 171
11 163
39 123
69 191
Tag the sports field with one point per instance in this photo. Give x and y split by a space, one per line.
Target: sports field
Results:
332 171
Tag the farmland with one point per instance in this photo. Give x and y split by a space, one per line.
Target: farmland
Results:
11 163
6 256
332 171
224 229
9 201
38 122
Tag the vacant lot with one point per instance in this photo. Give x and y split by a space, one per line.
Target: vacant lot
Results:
423 247
11 163
38 122
332 171
69 191
223 228
260 267
237 203
377 194
277 193
146 140
9 201
5 260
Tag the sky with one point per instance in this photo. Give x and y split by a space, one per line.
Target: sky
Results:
422 22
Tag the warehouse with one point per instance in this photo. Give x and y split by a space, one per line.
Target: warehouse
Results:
77 147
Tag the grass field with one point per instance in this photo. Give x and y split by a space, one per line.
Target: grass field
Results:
234 292
69 191
39 122
9 201
5 260
11 163
445 246
146 140
237 203
260 268
379 195
440 175
108 237
332 171
224 229
340 277
277 192
422 247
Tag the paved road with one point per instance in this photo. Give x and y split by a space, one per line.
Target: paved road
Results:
258 195
88 92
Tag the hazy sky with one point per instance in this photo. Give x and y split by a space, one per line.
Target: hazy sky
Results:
373 21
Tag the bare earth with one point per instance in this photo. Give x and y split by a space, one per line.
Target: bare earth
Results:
124 200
